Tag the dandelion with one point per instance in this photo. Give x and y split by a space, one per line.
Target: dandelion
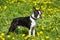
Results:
13 38
0 7
58 10
45 2
42 39
49 15
18 3
54 10
50 9
43 15
24 0
35 2
42 0
5 7
7 1
30 0
38 2
41 32
38 33
16 0
8 36
43 26
2 37
50 2
43 8
12 1
33 39
23 35
47 37
57 38
27 36
2 34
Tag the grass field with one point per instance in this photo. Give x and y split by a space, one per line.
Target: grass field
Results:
48 28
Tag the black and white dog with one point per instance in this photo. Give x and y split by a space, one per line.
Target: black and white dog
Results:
29 22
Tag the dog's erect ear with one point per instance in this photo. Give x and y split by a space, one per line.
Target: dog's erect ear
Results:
34 9
40 9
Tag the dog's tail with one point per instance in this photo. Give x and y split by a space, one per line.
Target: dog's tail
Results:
12 27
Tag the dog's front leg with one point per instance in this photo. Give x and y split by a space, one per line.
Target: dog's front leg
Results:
30 31
34 32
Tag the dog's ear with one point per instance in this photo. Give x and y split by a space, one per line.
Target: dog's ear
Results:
40 9
34 9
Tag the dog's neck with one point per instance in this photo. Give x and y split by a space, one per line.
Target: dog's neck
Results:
33 18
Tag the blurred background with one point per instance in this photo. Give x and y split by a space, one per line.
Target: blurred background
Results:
48 28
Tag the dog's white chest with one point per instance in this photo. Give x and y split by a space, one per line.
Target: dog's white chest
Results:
33 22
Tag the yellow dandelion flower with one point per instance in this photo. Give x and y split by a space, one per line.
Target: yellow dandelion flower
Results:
42 39
47 37
38 2
58 10
42 0
7 1
0 7
27 36
2 38
43 15
49 9
35 2
13 38
33 39
16 0
18 3
30 0
41 32
12 1
58 6
2 34
37 8
5 7
23 35
43 26
49 15
45 2
24 0
8 36
38 33
57 38
43 8
54 10
49 2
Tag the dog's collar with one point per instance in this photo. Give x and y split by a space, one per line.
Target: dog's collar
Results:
33 18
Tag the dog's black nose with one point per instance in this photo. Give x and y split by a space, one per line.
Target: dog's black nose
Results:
40 16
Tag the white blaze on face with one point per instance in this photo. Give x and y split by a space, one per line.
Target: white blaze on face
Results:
33 15
39 14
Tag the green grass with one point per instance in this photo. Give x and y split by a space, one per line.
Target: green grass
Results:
48 28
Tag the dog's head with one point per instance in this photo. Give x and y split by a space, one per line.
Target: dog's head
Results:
37 13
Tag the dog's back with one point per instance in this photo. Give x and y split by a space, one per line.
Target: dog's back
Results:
23 21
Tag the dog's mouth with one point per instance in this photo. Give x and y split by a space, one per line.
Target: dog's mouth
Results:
41 17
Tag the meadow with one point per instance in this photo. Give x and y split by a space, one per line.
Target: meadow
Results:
48 28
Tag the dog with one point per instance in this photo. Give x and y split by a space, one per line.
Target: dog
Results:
29 22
